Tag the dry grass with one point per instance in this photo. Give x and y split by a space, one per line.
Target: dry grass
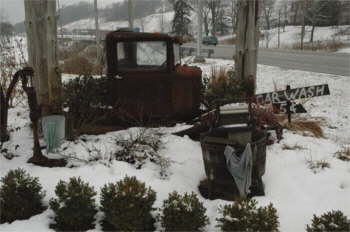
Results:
229 41
306 126
77 64
218 76
79 59
329 45
343 154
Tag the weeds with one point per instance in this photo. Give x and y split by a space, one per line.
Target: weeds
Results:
343 154
292 147
137 148
328 45
317 165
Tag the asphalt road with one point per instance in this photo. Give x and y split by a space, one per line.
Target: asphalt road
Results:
321 62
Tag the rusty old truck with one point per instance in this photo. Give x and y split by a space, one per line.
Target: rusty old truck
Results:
146 76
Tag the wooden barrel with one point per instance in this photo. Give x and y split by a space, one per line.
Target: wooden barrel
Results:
213 144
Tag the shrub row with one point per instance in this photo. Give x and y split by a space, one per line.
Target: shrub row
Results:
127 205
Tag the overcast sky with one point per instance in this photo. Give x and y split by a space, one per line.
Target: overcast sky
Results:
14 9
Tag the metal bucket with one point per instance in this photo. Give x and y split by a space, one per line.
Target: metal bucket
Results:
54 131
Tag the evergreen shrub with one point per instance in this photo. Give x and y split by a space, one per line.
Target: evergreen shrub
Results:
127 206
183 213
330 221
243 215
20 196
74 206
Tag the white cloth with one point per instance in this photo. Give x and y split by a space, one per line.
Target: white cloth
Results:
240 167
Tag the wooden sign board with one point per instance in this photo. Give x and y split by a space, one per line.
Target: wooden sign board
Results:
292 94
294 108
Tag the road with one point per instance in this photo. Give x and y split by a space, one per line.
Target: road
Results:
321 62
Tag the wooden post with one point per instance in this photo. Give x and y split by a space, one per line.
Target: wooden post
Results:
98 34
289 113
302 35
41 26
247 40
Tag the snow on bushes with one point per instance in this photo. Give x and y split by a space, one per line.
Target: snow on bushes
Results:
183 213
140 147
75 206
20 196
243 215
127 206
330 221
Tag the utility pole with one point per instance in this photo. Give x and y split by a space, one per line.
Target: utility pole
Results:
302 34
247 42
98 34
162 18
199 58
41 26
279 28
131 14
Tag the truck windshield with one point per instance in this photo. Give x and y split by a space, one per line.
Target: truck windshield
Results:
142 55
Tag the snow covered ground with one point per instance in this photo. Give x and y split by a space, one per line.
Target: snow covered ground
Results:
291 36
295 190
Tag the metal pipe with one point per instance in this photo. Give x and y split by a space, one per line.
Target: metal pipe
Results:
131 14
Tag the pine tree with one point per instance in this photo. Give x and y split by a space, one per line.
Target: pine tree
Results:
181 19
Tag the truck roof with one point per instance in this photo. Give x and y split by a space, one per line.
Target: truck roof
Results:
141 36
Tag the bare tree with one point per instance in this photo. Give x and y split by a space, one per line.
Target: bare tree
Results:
206 19
214 8
314 15
234 14
268 9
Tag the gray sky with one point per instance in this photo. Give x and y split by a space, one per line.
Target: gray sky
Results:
14 9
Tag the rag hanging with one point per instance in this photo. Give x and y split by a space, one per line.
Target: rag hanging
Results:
240 167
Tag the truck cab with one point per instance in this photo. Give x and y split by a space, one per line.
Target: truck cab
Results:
146 77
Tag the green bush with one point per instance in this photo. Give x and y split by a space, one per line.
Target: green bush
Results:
86 98
243 215
183 213
75 206
20 196
330 221
127 206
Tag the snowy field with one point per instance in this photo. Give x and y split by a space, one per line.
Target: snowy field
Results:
294 189
151 23
291 35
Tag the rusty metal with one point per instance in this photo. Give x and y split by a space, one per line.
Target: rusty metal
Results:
172 91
